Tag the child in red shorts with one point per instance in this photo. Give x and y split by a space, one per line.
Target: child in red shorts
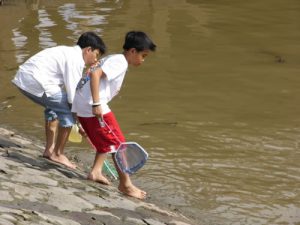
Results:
93 94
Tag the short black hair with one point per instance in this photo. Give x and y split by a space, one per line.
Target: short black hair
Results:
91 39
138 40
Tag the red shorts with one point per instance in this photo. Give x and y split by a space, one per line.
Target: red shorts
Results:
105 139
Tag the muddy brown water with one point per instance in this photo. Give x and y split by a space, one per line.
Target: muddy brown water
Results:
216 107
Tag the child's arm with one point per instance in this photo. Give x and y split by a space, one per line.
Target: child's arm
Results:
95 84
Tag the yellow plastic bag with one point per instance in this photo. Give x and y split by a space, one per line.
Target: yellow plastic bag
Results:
74 134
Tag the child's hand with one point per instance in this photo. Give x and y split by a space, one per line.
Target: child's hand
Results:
92 67
82 132
97 111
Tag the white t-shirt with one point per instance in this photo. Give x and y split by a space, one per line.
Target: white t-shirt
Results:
114 68
51 71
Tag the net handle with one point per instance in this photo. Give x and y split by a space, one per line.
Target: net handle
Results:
103 124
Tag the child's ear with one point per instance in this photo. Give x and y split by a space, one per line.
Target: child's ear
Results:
89 49
86 50
132 50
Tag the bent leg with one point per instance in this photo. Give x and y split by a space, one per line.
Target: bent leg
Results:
58 152
50 130
57 107
96 172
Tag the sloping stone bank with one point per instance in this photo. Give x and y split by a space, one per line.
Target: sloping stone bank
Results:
36 191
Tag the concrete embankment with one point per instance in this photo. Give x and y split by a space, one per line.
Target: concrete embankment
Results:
34 190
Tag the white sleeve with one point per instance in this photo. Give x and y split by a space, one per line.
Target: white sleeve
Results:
72 74
114 66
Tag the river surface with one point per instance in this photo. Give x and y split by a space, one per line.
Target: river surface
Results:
216 106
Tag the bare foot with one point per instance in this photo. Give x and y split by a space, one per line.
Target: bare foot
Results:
98 178
62 159
133 191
